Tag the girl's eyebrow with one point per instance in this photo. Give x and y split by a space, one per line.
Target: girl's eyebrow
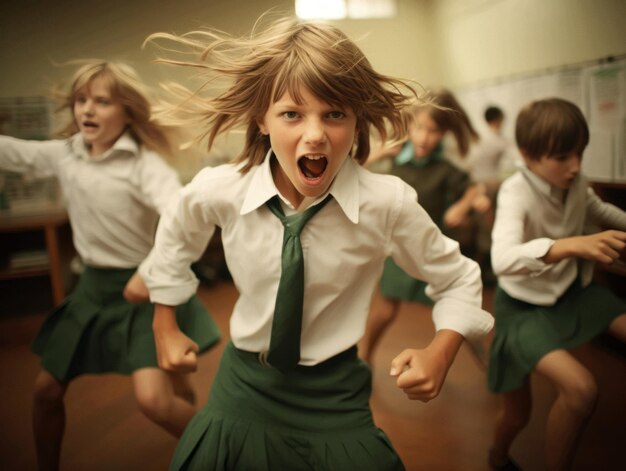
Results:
100 95
286 102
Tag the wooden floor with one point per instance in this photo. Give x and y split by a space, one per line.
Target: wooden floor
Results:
105 431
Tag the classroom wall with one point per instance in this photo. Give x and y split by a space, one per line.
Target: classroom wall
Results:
483 39
34 34
437 42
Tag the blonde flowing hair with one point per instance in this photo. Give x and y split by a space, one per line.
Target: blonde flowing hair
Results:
283 57
126 88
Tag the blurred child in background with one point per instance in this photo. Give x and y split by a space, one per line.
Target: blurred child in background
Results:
546 302
488 163
445 191
115 185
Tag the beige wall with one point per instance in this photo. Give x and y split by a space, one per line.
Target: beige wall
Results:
483 39
36 34
437 42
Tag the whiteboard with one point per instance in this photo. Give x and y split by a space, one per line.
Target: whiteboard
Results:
600 92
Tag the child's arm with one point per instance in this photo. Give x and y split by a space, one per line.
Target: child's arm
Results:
183 232
603 247
454 283
37 159
175 351
421 373
511 254
136 290
473 198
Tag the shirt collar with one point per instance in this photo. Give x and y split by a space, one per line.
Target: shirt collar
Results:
125 143
406 155
344 188
543 186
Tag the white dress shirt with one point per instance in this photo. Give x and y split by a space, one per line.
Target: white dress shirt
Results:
370 217
113 200
530 217
485 156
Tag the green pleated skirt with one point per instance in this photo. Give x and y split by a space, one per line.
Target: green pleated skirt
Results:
525 333
315 418
95 330
395 283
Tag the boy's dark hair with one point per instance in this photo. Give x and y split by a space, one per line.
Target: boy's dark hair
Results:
552 126
493 113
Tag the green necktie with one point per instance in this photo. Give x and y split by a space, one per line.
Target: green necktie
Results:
284 352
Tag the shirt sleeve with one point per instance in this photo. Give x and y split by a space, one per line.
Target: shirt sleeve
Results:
34 159
510 255
183 232
418 246
158 181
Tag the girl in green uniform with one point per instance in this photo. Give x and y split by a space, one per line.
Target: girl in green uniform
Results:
115 185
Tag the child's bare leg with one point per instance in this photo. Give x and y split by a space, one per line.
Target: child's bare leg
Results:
48 419
382 314
512 418
577 396
618 327
155 395
182 387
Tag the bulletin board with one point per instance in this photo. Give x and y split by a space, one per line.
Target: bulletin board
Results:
27 118
598 88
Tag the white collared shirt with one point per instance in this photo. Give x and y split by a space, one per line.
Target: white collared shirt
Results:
370 217
485 156
113 200
530 217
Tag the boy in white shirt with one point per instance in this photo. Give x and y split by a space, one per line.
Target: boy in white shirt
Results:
546 302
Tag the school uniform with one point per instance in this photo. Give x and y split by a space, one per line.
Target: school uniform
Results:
542 307
485 157
438 183
113 201
317 416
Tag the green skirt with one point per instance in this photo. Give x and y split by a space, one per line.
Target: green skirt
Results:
315 418
95 330
525 333
395 283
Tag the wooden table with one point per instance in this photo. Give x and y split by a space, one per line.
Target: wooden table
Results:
49 221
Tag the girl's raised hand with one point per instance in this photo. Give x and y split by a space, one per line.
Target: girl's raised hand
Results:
454 216
420 373
481 203
175 351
